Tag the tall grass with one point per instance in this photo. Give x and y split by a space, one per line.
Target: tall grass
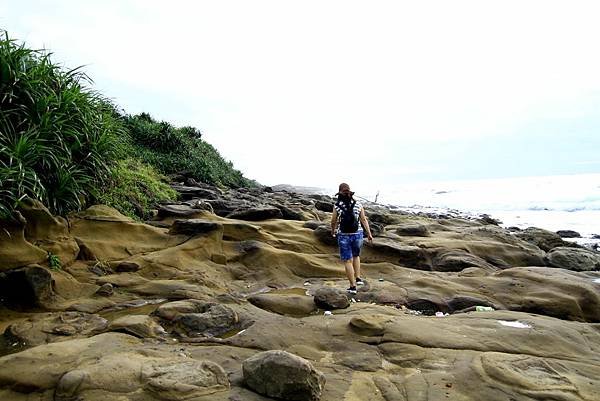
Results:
174 150
57 136
65 144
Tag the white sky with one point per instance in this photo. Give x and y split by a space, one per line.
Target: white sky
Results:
372 93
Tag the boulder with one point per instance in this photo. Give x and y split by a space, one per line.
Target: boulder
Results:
284 304
370 325
213 320
413 230
541 238
573 259
324 206
256 213
142 326
331 298
194 227
170 310
283 375
568 234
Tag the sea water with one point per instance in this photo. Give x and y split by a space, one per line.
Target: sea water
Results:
564 202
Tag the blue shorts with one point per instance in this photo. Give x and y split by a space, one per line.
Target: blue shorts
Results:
350 245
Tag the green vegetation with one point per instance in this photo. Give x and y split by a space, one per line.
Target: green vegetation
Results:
57 137
54 261
66 145
134 188
173 150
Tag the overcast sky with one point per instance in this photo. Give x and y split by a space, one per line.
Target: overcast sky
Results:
374 93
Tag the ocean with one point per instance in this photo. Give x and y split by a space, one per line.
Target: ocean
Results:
562 202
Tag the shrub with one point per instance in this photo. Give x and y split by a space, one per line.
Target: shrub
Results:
173 150
135 188
57 136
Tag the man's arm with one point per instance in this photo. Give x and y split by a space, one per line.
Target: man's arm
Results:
334 222
365 223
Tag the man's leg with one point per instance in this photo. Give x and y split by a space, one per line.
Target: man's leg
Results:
350 272
356 266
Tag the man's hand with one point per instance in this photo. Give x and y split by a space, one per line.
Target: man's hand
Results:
370 238
333 233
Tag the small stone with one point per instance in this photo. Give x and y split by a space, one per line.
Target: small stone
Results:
105 290
127 267
219 258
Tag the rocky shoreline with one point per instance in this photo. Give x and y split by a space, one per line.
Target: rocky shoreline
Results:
238 295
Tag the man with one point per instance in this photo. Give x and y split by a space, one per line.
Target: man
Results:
347 225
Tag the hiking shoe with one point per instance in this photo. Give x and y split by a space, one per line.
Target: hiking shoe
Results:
360 281
351 290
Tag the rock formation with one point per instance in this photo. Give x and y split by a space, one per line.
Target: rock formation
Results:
223 297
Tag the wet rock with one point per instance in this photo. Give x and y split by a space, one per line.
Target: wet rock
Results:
458 260
105 290
142 326
280 374
331 298
256 213
412 229
30 286
194 227
213 320
568 234
573 259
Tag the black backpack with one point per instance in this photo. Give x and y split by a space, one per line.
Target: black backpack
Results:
348 220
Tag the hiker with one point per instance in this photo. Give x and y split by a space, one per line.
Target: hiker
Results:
347 224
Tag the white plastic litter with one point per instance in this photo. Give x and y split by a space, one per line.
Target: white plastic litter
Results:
327 313
380 279
439 314
307 283
514 323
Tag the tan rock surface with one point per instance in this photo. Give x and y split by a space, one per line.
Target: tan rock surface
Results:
542 341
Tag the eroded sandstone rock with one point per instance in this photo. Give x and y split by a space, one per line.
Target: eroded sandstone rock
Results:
331 298
573 259
283 375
